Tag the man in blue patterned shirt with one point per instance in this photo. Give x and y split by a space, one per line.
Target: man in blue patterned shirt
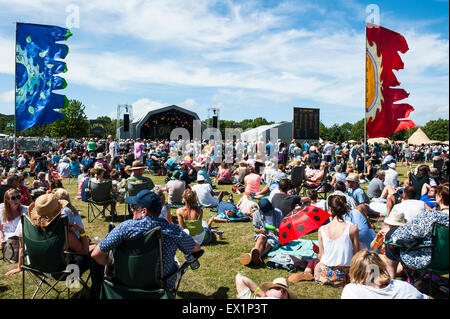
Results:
146 210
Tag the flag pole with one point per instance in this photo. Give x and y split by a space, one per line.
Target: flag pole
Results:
365 97
15 100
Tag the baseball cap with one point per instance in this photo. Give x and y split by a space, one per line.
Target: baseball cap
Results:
265 206
201 178
146 199
391 165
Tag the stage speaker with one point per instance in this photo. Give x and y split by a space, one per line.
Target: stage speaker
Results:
126 122
214 121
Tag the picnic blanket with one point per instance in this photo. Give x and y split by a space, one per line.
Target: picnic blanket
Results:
293 255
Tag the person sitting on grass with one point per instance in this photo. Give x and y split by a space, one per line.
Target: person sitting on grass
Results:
430 198
175 188
394 220
224 175
338 242
248 289
205 193
282 200
357 193
190 219
265 239
165 210
252 182
368 284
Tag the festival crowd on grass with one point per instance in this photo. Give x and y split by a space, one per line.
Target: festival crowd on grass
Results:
372 226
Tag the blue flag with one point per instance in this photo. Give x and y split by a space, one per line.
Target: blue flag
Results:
36 66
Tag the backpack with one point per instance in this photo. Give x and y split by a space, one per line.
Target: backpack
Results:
286 262
238 188
11 250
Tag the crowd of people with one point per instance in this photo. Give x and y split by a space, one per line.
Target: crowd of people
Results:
265 174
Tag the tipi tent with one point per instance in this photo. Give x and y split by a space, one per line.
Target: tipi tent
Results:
418 138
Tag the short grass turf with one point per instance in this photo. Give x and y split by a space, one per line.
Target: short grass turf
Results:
214 279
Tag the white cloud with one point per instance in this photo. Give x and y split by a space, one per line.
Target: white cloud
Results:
142 106
7 55
245 51
188 103
7 96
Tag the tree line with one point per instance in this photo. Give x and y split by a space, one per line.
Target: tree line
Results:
76 124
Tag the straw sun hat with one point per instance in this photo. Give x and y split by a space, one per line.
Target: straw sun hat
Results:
137 165
279 282
45 209
395 218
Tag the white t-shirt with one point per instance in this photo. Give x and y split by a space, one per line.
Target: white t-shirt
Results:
397 289
328 148
113 147
203 192
410 208
391 178
273 192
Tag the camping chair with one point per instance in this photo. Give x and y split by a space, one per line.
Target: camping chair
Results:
439 261
439 164
138 270
298 177
132 190
99 195
322 188
46 259
417 182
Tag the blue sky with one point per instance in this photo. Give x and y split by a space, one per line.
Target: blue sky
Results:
249 58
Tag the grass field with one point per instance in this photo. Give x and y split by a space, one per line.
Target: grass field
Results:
214 278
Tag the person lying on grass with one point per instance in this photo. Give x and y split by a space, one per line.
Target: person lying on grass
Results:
248 289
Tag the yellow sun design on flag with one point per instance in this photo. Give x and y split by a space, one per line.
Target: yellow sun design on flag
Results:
374 97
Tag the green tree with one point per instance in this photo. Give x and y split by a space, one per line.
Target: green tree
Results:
357 132
346 129
437 129
75 123
323 132
110 125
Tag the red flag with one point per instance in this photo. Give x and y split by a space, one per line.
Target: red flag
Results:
383 116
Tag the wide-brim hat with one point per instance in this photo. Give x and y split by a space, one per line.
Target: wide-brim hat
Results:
45 209
352 177
137 165
395 218
279 282
100 156
201 178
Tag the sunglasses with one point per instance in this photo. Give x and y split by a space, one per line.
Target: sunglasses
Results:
14 197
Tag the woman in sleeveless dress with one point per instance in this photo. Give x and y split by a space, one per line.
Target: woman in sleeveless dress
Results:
190 219
338 242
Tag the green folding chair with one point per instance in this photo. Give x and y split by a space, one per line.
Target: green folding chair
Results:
138 270
417 182
46 258
439 264
132 190
99 199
